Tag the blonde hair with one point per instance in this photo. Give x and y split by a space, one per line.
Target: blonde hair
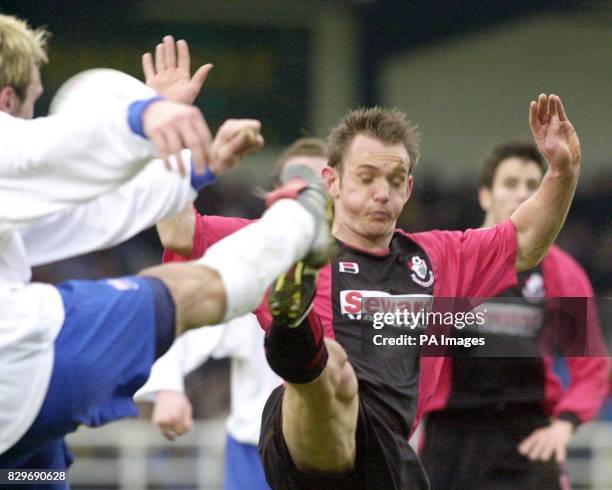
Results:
389 126
20 48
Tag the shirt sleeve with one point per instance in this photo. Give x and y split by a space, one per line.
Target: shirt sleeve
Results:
51 163
589 374
190 350
238 338
477 263
154 194
211 229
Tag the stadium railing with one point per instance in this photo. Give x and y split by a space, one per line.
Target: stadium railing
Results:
132 455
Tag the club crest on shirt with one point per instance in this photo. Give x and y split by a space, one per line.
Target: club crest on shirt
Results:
533 290
420 273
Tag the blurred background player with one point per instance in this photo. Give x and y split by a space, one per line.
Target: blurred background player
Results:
319 430
506 422
42 326
251 382
251 379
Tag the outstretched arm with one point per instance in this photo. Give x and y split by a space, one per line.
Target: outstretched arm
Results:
176 233
539 219
76 159
169 74
154 194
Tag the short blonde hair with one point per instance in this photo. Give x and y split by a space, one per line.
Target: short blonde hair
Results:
20 48
390 126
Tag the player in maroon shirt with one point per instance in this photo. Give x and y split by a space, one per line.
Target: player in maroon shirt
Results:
514 407
343 418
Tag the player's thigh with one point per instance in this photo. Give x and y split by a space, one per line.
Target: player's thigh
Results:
104 351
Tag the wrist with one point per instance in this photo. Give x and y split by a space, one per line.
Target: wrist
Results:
568 417
136 112
198 182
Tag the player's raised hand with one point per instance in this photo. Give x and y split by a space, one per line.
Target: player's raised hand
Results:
170 73
172 127
172 413
554 133
235 139
549 441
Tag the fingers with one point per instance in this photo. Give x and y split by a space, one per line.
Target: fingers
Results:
541 445
536 449
533 114
246 141
561 453
543 109
184 59
175 426
175 145
547 449
168 432
201 147
159 141
160 58
529 444
552 105
561 110
147 66
199 77
193 134
235 139
543 112
169 51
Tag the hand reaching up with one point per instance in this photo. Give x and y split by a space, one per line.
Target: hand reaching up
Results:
170 74
554 133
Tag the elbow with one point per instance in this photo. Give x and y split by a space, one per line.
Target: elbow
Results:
173 241
530 259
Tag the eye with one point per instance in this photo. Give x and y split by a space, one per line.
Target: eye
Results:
398 181
532 185
511 183
366 179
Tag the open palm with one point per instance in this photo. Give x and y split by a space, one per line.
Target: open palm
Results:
553 132
170 74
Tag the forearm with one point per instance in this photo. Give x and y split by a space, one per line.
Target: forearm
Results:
154 194
166 374
188 352
539 219
177 232
52 163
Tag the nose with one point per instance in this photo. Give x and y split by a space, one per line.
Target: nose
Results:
524 192
382 191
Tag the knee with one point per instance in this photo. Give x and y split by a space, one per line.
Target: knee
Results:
197 291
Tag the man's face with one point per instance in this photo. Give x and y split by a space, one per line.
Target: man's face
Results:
314 163
515 180
370 191
25 107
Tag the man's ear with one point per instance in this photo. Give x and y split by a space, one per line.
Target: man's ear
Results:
331 178
484 198
9 101
409 186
